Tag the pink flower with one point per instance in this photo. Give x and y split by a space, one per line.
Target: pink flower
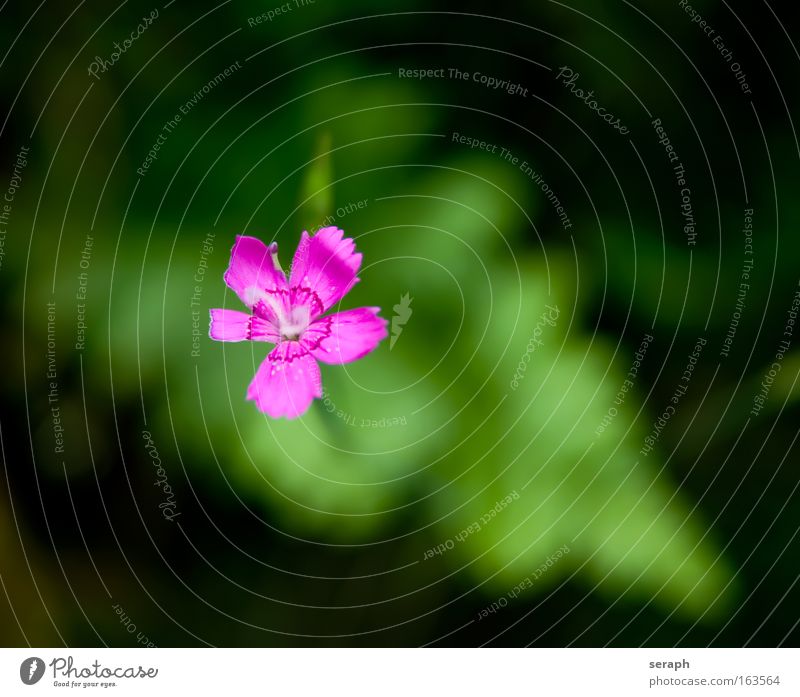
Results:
289 314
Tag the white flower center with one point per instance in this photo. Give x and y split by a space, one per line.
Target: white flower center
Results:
295 324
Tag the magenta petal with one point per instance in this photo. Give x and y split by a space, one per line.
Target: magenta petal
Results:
326 264
345 336
251 272
229 325
232 325
286 382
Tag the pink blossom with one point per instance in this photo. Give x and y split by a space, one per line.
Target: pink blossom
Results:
290 314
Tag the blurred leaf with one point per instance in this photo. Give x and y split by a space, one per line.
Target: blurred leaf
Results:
629 530
317 194
353 457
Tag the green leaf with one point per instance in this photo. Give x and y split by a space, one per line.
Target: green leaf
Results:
316 202
630 532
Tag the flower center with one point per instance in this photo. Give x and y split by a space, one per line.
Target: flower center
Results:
295 323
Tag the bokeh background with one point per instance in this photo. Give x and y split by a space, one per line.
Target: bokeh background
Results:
432 498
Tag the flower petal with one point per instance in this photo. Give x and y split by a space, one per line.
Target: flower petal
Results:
345 336
326 264
252 274
232 325
286 382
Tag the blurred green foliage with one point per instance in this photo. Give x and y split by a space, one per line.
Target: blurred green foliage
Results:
281 521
